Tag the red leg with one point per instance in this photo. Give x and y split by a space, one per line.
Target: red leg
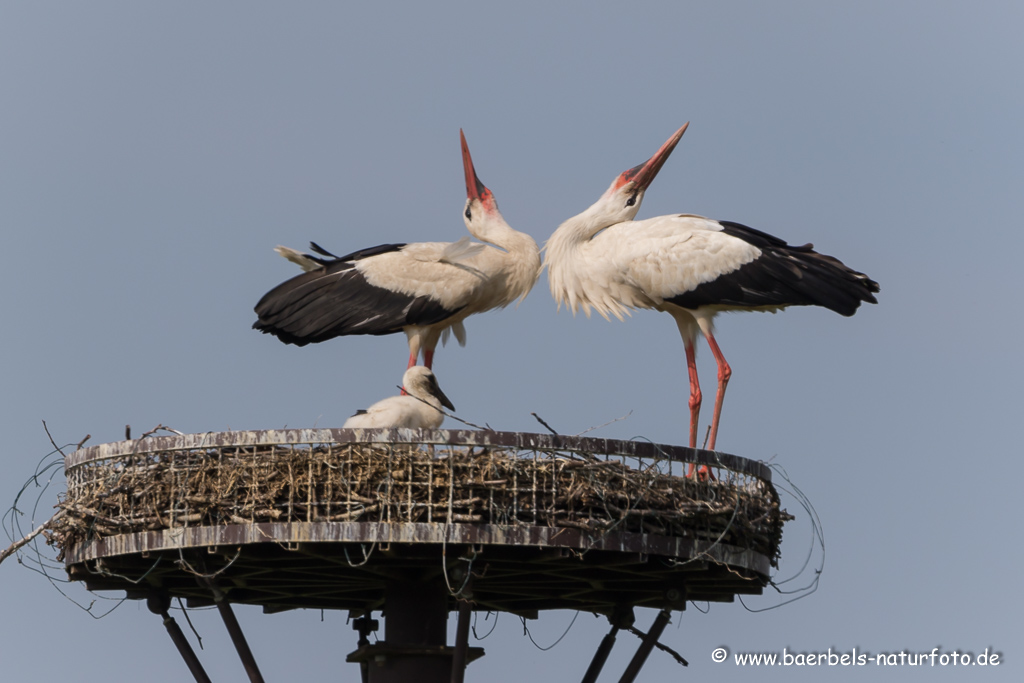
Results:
724 373
412 361
695 395
428 358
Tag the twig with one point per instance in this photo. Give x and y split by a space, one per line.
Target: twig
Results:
544 423
156 429
664 648
618 419
185 613
18 544
446 413
47 430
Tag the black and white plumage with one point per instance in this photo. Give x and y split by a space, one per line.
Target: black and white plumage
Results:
690 267
419 407
424 289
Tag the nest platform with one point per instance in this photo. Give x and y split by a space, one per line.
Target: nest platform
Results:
329 518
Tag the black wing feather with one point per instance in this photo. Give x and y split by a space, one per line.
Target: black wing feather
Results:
336 300
320 250
783 275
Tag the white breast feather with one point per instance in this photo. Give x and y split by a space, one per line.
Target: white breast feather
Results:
638 264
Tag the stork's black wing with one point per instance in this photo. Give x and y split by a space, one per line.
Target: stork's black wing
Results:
783 275
337 300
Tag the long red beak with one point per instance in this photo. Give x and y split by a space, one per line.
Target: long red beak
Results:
474 188
643 175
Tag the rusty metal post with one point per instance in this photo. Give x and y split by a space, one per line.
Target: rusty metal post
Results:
159 603
461 642
646 645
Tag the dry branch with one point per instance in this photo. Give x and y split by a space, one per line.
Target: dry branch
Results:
14 547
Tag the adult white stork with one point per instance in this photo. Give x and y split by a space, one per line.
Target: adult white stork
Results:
689 267
418 407
423 288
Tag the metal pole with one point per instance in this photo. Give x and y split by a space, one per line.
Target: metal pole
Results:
237 637
415 632
601 656
159 603
646 645
461 642
364 625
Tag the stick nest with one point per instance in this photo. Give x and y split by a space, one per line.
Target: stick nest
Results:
403 483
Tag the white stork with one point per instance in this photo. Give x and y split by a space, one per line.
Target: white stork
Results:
689 267
418 407
424 288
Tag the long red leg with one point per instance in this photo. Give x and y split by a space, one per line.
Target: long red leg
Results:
724 373
428 360
695 396
413 355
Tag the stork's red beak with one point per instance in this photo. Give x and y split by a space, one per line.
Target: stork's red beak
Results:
474 188
643 175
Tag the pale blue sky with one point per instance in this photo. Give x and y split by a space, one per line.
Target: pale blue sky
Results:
153 154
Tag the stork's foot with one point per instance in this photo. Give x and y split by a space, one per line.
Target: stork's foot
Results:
702 474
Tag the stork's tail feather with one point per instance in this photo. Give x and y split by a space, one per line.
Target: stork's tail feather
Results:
830 282
307 262
798 275
320 250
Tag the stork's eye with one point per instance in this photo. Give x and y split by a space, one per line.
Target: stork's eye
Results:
632 200
469 214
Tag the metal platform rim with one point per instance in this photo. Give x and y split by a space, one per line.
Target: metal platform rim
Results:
439 437
287 534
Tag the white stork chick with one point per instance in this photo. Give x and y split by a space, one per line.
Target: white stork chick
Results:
689 267
424 289
418 408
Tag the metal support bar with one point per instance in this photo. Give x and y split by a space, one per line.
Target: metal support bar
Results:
237 637
646 645
159 603
461 642
600 657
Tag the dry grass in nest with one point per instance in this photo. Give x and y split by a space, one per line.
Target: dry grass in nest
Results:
403 483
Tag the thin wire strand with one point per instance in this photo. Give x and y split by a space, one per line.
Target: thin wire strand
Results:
552 645
817 541
476 616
